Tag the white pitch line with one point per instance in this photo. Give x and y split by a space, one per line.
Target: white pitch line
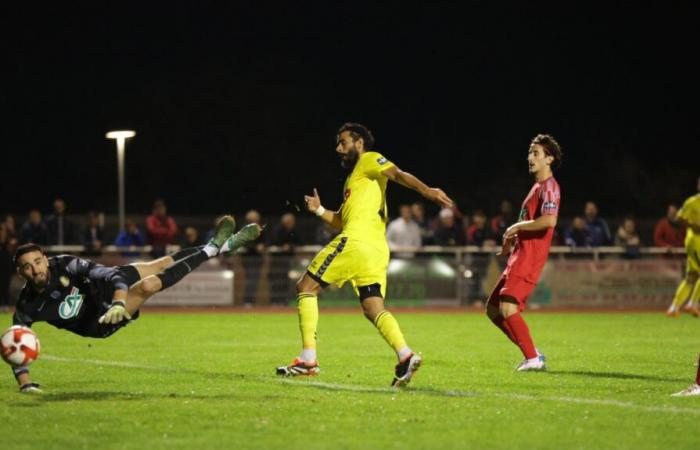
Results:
418 391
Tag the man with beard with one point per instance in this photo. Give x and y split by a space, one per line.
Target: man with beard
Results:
95 301
359 254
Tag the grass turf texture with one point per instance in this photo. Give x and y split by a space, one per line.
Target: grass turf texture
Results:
207 381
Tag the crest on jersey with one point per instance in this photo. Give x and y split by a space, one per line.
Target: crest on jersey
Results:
381 160
70 306
64 280
549 207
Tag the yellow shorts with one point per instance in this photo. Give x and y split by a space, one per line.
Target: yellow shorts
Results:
692 249
347 259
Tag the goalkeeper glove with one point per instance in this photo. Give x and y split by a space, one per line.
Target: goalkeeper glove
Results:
116 313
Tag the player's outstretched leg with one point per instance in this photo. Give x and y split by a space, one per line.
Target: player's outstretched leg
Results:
693 389
389 329
307 298
150 285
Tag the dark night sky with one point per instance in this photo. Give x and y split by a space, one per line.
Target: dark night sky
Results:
236 106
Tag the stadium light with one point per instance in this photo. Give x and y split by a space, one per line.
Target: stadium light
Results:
121 136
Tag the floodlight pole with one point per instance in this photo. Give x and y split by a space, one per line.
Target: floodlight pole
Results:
121 137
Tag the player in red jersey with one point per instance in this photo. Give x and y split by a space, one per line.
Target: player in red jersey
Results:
529 239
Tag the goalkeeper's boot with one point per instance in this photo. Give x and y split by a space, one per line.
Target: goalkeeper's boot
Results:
247 234
693 390
299 367
224 229
405 369
536 363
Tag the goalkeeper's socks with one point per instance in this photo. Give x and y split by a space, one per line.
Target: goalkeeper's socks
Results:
177 271
210 250
185 252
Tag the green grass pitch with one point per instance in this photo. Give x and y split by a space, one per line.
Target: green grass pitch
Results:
207 381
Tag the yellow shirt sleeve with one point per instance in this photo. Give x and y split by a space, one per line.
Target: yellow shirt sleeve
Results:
690 211
375 164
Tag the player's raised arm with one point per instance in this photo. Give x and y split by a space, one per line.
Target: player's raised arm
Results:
412 182
313 204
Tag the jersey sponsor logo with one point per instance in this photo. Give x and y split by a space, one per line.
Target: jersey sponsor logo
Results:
549 206
381 161
70 306
55 295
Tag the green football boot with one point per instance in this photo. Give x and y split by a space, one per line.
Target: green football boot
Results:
224 229
247 234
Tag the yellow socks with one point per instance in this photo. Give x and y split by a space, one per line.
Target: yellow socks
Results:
308 323
391 332
682 294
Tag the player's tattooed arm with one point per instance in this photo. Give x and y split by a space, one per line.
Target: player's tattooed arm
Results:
410 181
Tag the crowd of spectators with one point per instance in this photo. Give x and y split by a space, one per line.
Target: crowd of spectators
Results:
410 229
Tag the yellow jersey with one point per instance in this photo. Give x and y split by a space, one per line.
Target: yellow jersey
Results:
363 212
690 212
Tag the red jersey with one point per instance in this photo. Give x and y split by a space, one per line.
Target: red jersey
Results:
532 247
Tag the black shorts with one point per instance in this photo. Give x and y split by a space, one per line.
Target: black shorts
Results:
90 327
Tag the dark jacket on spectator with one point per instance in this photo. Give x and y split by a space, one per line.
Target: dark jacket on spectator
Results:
53 227
33 233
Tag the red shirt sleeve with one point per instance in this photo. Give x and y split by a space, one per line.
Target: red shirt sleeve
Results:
550 196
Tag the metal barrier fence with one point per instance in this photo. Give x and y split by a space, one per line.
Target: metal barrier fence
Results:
428 276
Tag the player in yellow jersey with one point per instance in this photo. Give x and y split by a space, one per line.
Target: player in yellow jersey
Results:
359 254
689 215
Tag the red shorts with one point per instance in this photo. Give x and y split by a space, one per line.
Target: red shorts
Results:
512 286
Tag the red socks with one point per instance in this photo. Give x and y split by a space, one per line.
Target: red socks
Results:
500 322
521 335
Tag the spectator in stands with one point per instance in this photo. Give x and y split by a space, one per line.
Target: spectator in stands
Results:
577 234
478 233
286 237
426 230
324 233
61 230
503 219
403 231
34 230
10 229
190 238
93 234
598 230
668 232
130 237
448 232
7 268
285 234
252 261
627 237
160 228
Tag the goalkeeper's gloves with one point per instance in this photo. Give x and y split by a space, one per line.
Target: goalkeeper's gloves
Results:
30 388
116 313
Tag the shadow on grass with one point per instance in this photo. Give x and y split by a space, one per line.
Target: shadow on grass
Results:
139 396
615 375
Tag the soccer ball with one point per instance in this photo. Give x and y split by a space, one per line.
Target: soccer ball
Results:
19 346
